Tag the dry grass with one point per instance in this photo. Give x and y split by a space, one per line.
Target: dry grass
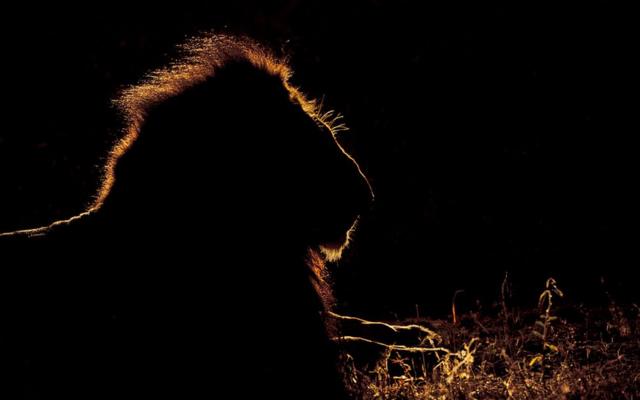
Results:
553 352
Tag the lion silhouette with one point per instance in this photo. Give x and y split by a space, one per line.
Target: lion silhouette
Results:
197 270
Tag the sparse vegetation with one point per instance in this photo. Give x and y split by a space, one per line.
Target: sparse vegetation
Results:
554 352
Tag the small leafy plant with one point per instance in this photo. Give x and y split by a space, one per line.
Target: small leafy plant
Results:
543 324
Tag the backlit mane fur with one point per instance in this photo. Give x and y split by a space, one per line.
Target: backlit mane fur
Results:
200 58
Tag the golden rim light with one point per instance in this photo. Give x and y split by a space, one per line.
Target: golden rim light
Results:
201 58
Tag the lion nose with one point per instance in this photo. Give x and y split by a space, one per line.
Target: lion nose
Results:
354 187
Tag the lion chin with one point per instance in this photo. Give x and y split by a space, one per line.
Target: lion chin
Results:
317 259
332 251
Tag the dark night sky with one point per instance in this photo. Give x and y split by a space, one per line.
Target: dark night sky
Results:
496 139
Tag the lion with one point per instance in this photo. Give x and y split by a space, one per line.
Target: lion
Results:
205 246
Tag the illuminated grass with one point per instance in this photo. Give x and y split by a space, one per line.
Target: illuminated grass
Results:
548 353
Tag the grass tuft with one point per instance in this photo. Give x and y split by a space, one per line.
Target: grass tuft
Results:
553 352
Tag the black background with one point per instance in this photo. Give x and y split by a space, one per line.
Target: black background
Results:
496 138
